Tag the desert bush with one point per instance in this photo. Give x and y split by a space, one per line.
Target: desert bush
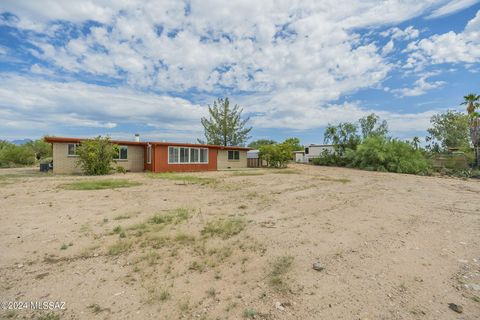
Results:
12 155
95 156
382 154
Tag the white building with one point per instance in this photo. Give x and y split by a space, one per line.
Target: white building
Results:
312 151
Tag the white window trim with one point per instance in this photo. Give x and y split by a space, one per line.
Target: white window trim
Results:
74 150
188 153
149 154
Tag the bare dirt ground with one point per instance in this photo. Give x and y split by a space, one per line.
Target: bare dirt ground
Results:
241 245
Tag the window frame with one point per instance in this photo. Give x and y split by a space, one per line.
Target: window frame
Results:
177 155
75 145
120 147
234 152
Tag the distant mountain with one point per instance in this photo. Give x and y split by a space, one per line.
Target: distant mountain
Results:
20 141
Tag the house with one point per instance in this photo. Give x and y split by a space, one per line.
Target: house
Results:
312 151
137 156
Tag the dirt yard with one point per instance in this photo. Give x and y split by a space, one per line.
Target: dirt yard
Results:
241 244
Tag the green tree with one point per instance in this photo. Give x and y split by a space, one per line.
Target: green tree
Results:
95 156
343 136
449 130
225 125
260 142
371 126
276 155
293 144
40 148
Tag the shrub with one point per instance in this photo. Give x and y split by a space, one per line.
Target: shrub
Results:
276 155
121 169
224 228
382 154
95 156
12 155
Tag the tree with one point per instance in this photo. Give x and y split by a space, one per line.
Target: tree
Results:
40 148
370 126
471 101
293 144
276 155
260 142
343 136
96 155
450 130
225 125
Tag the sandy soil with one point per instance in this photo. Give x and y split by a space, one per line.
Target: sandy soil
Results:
393 246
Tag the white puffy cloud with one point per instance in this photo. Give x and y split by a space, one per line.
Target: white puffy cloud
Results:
450 47
421 86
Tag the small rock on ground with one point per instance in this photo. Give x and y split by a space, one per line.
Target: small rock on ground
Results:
455 307
318 266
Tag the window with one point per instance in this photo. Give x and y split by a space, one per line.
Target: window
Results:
233 155
187 155
72 149
203 155
306 150
121 153
149 154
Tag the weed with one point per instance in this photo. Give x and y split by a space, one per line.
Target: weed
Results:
211 292
117 229
49 316
184 238
249 313
173 216
122 217
341 180
277 275
224 228
231 305
64 246
100 184
119 247
95 308
164 295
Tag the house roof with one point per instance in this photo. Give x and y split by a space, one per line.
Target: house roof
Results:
144 143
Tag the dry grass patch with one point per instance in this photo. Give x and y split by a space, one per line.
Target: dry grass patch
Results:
186 179
120 247
277 277
100 184
224 228
247 173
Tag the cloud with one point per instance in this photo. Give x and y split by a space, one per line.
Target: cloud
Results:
450 47
451 7
287 62
421 86
48 105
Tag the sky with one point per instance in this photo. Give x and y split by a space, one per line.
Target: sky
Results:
87 68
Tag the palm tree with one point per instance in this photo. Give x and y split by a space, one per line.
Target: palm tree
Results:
470 100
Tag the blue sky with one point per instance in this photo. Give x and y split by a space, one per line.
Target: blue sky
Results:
84 68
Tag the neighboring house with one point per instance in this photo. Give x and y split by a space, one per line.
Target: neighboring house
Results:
136 156
312 151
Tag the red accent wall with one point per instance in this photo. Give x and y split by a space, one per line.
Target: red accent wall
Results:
160 161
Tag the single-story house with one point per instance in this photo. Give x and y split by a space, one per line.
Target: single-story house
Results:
312 151
137 156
